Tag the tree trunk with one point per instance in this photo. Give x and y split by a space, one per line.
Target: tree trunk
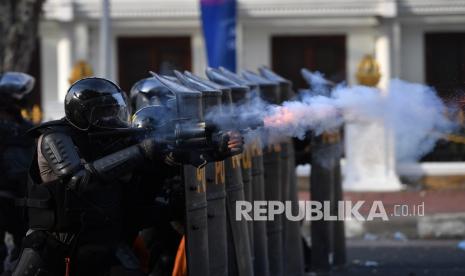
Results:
19 21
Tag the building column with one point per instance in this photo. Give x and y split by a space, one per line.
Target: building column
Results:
369 144
56 56
396 49
64 55
255 48
81 42
198 53
370 160
388 50
105 43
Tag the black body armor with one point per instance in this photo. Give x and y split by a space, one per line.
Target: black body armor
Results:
16 151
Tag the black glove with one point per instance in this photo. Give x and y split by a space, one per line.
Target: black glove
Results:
235 142
80 181
151 148
228 143
220 141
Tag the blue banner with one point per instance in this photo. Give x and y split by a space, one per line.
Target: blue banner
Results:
219 29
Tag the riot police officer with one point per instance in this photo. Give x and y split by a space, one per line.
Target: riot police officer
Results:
77 180
151 97
16 152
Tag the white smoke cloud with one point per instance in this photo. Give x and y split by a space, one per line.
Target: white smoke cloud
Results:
412 112
417 117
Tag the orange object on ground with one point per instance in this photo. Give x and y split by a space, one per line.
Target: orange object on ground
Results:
180 264
67 262
142 253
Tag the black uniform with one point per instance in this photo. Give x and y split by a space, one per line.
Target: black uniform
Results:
77 183
161 100
161 237
16 151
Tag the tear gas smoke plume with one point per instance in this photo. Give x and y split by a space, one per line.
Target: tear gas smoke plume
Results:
413 113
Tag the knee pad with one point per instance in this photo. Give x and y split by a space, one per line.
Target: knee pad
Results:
43 253
30 263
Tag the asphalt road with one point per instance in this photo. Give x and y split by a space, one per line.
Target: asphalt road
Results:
413 257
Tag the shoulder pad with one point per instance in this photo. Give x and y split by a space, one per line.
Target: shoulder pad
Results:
60 152
56 125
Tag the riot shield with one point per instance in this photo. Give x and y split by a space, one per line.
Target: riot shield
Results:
188 106
215 180
239 250
328 240
273 192
292 240
240 260
272 161
261 264
246 165
196 221
216 200
294 265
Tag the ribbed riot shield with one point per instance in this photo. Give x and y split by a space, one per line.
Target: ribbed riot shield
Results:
261 264
320 190
215 179
196 221
339 228
294 264
273 192
328 243
246 166
285 178
240 257
269 92
217 224
188 107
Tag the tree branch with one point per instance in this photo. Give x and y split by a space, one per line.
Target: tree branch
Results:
19 21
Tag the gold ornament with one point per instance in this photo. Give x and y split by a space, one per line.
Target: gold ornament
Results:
34 115
368 72
80 70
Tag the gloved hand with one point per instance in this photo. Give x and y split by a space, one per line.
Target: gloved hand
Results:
226 144
151 148
80 181
230 143
235 142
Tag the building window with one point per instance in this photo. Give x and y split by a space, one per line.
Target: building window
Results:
445 63
139 55
445 71
326 54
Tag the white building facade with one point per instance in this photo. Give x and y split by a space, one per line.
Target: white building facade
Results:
392 31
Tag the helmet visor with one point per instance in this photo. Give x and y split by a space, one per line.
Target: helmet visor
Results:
111 114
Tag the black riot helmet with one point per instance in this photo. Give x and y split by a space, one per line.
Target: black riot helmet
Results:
15 85
149 117
285 85
149 91
96 103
